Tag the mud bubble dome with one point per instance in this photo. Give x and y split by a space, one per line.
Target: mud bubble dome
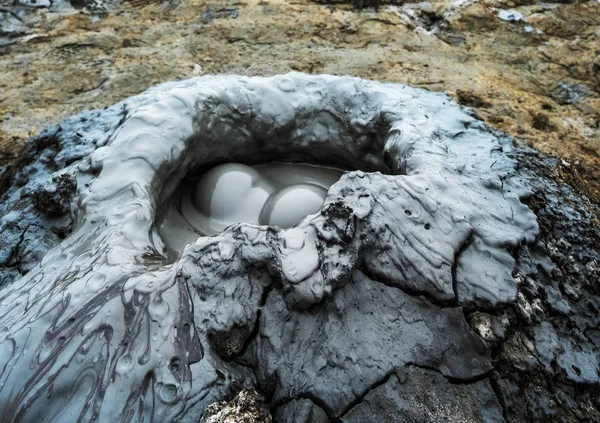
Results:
279 195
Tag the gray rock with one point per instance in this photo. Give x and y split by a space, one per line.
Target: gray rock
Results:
510 15
547 366
556 301
579 361
489 327
246 407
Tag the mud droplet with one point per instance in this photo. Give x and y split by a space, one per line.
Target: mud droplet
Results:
286 85
158 310
124 365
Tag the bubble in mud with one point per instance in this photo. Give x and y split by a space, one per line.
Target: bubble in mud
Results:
158 310
124 365
288 206
231 193
168 393
274 194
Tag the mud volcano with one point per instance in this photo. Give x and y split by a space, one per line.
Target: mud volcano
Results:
353 314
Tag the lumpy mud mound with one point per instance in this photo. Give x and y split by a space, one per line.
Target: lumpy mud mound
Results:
419 291
367 298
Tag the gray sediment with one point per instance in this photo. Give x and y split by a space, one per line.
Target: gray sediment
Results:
98 319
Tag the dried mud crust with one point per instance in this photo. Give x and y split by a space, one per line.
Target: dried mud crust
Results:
536 79
547 348
365 347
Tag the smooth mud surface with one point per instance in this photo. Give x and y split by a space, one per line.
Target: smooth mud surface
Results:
279 195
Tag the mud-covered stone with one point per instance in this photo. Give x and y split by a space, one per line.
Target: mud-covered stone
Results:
54 198
356 338
547 368
246 407
300 411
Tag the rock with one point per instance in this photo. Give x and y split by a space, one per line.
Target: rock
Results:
569 94
246 407
489 327
34 3
211 13
579 361
556 302
510 15
548 370
54 198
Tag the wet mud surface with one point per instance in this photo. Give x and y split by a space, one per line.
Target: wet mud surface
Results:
296 312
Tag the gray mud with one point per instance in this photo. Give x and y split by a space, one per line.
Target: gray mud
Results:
448 259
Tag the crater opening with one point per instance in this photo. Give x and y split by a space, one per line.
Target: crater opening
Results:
261 151
275 194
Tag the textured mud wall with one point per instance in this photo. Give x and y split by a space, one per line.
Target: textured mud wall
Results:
360 302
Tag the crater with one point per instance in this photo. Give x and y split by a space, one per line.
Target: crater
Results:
278 195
